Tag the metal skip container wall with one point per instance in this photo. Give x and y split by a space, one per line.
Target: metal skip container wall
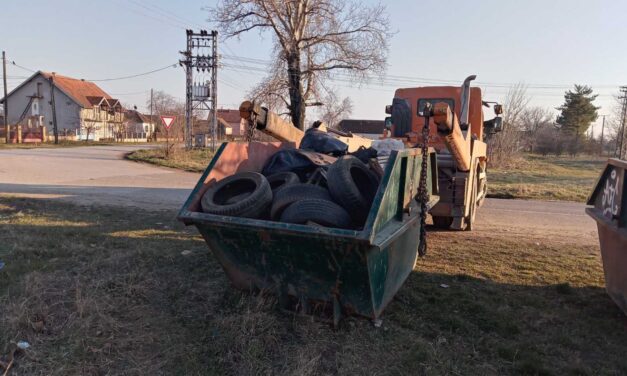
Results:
340 270
609 210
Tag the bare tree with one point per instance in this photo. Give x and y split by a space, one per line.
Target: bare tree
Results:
533 120
334 110
312 38
506 145
90 128
614 129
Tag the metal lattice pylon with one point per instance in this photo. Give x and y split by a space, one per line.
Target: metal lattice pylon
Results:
202 55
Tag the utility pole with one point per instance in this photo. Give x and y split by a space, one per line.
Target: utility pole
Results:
623 90
6 105
214 90
602 133
201 54
54 110
152 128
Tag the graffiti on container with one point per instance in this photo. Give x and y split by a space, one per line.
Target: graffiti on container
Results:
610 205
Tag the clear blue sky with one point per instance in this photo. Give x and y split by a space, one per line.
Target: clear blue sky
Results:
540 43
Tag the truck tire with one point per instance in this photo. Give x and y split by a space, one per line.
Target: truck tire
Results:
353 186
245 194
289 194
323 212
282 179
442 222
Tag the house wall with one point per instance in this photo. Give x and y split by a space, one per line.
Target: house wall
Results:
99 124
67 109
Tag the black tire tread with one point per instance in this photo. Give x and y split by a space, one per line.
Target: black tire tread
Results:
285 196
345 191
252 206
323 212
286 178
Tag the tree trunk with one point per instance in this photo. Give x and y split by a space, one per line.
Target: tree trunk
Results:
297 102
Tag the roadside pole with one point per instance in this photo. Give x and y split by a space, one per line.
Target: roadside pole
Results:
167 122
54 111
602 132
6 106
152 127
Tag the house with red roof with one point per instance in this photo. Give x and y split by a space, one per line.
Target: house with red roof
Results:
82 109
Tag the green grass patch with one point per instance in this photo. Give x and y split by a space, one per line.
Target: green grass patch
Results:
110 291
546 178
195 160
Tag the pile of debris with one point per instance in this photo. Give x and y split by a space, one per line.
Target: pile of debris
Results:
318 184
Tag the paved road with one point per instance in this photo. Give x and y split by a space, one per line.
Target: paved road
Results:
93 175
99 175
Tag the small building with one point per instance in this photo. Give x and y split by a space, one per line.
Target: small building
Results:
137 126
230 126
372 129
83 110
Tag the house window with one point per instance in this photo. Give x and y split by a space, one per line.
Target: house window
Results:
35 107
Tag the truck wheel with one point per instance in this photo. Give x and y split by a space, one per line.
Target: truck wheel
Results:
322 212
442 222
470 219
246 194
287 195
282 179
353 186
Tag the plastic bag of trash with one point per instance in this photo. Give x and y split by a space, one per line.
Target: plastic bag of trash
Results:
322 142
385 146
301 162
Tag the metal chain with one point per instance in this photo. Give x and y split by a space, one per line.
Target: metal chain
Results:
423 192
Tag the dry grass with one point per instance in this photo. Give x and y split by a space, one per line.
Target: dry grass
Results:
108 291
195 160
546 178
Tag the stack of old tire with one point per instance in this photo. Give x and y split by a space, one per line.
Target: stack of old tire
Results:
341 200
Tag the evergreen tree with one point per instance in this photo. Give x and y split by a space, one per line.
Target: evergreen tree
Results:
578 111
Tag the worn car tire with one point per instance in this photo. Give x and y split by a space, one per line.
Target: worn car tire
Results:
289 194
245 194
353 186
323 212
282 179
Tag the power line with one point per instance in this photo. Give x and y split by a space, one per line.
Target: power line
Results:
392 79
170 14
136 75
133 93
24 68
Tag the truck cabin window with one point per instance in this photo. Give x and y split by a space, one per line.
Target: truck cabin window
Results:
433 101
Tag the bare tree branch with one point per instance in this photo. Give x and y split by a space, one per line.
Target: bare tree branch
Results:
312 38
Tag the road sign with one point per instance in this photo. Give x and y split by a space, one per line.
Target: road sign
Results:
167 121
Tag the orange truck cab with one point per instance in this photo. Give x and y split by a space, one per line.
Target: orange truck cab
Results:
456 131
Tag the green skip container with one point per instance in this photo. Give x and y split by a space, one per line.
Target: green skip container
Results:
318 269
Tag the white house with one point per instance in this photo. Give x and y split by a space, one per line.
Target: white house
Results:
83 110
